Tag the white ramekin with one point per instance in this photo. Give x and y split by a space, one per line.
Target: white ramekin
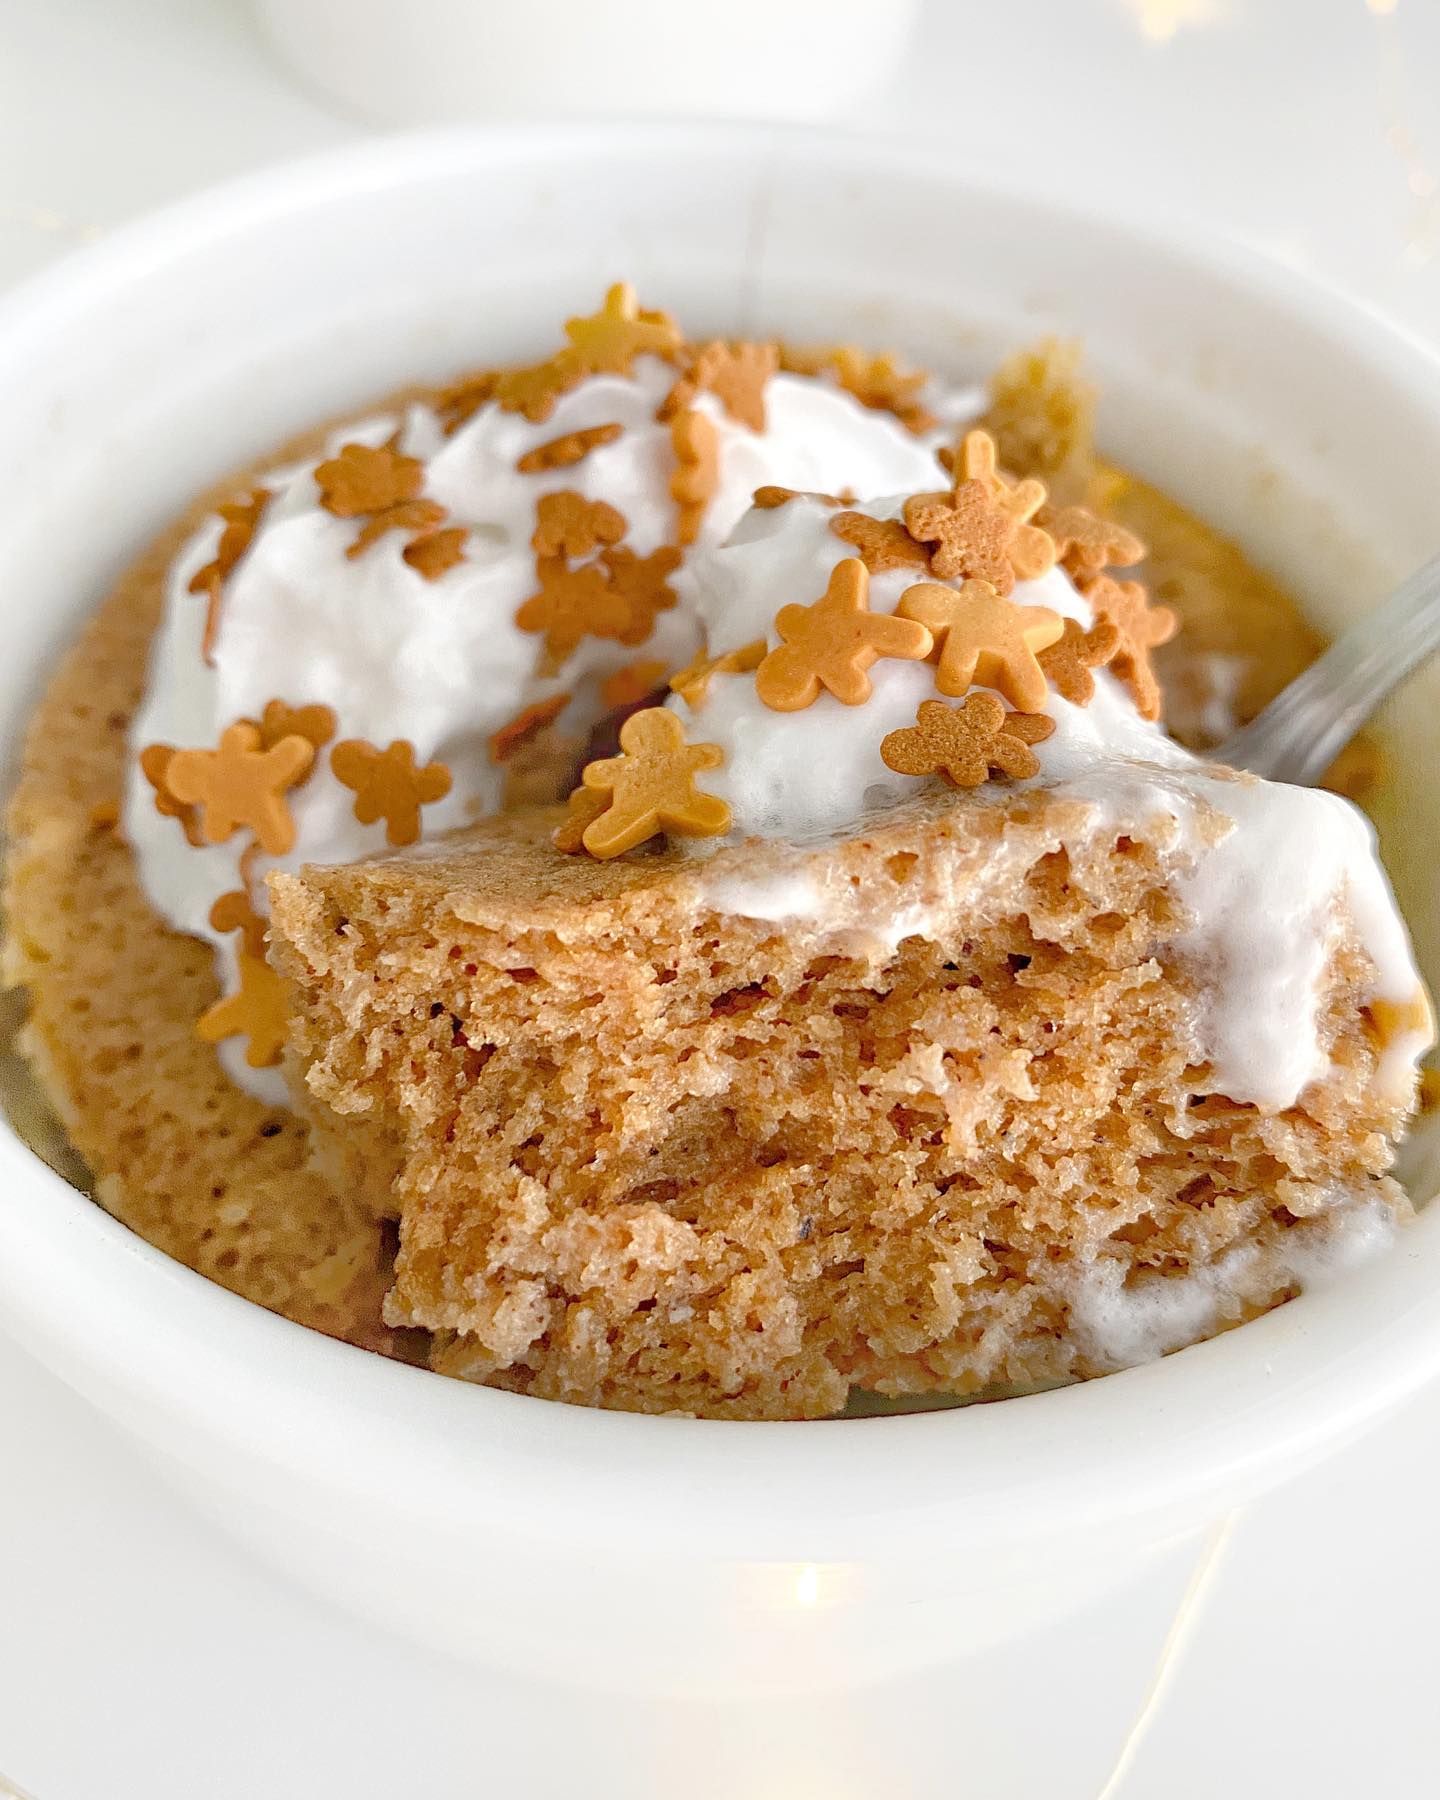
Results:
666 1552
806 59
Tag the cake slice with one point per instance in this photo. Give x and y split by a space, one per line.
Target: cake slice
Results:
931 1108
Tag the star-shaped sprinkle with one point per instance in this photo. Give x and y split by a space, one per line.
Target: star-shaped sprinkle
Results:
1142 628
567 524
240 783
832 642
527 725
1068 663
735 373
233 911
697 471
651 786
360 480
643 583
984 638
258 1012
315 723
565 451
241 520
607 342
880 543
964 744
1087 544
692 683
571 604
387 785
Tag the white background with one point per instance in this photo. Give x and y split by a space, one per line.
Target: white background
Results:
141 1656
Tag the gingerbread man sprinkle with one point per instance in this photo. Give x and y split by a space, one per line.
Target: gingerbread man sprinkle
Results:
973 535
735 373
692 683
881 383
964 744
233 912
315 723
767 498
387 785
432 553
1142 628
880 543
459 403
564 452
832 642
583 808
651 786
361 479
534 390
258 1012
241 520
405 515
567 524
977 460
155 760
643 583
697 470
1069 662
571 604
1087 544
242 783
383 487
984 638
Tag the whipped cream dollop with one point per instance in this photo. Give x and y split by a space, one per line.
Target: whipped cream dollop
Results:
443 662
1266 902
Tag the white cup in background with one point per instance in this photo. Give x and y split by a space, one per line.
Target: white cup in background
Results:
412 62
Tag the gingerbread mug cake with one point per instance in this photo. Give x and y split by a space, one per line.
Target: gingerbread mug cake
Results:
685 876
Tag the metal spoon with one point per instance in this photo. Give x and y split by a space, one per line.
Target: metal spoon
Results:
1308 724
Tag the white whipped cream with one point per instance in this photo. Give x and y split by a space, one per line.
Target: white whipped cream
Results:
1265 902
1119 1322
443 663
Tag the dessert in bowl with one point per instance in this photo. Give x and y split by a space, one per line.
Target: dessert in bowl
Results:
285 1390
896 1007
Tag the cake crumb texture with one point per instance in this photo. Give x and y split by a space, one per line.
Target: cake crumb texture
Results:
179 1153
645 1153
651 1155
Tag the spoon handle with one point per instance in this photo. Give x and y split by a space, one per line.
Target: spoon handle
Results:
1308 724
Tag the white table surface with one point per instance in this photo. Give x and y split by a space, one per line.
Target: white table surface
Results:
142 1655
